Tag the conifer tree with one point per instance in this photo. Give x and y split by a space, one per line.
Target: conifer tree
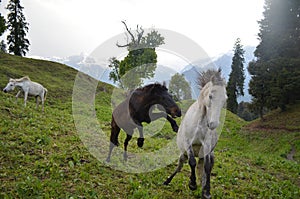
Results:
235 86
276 71
18 44
2 24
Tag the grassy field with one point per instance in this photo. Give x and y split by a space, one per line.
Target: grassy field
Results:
42 155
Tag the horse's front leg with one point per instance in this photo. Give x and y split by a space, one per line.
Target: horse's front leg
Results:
192 163
140 141
208 165
17 95
155 116
173 123
181 161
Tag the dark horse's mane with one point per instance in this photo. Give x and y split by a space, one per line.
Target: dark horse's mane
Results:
153 86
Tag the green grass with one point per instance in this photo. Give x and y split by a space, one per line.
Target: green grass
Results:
42 155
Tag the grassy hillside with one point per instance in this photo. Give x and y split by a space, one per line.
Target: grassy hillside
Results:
42 156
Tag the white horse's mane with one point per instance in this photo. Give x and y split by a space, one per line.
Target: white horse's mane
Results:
213 76
25 78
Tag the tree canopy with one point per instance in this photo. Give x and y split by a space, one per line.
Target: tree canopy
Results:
276 71
179 87
140 63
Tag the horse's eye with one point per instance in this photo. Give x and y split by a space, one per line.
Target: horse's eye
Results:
210 96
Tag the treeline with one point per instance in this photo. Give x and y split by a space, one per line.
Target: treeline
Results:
275 73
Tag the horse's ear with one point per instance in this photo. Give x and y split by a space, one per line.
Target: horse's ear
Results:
164 84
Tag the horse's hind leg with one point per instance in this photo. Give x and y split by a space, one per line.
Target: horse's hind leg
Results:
128 138
208 165
115 130
37 102
181 161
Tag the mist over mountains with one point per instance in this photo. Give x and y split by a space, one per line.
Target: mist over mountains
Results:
88 65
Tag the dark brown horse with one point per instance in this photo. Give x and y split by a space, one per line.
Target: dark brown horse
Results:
137 108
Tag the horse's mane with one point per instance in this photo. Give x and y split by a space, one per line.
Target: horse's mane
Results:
25 78
210 75
156 86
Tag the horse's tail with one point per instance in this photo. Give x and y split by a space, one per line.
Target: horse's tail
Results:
45 93
115 130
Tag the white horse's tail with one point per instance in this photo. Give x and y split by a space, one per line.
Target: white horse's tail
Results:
45 93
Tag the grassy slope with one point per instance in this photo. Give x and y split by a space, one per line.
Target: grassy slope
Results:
41 155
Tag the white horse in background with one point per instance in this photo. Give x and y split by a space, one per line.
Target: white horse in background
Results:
197 135
28 87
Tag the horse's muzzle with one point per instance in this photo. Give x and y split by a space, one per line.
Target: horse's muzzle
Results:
4 90
175 113
212 125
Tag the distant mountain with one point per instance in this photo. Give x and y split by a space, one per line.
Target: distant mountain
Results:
224 62
162 74
88 65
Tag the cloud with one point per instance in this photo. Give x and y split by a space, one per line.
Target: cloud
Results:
67 27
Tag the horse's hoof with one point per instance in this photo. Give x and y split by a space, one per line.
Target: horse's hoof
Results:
140 142
206 196
108 160
167 182
192 187
175 128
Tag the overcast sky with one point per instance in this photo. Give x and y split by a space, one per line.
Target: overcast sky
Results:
68 27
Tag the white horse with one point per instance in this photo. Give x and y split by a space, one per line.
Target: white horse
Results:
197 136
28 88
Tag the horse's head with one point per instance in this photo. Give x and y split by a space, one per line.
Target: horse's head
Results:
10 85
214 97
162 97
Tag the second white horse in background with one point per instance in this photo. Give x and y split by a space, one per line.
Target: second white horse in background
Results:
28 87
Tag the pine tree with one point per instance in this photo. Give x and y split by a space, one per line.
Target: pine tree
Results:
2 30
18 27
235 86
2 24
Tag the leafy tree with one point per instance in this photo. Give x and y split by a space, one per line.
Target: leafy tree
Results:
114 64
18 27
235 86
180 87
140 63
275 72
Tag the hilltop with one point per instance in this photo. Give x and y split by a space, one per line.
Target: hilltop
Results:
57 78
42 155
